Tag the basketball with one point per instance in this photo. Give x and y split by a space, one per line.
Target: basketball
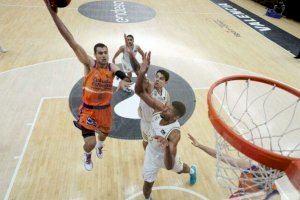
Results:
62 3
59 3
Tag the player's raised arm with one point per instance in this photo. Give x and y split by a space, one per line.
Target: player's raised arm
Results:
226 158
140 89
120 50
79 51
141 52
133 61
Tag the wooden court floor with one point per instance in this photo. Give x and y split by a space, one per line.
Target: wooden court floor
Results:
41 151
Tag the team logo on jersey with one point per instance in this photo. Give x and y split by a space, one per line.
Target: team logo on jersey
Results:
91 121
126 121
163 131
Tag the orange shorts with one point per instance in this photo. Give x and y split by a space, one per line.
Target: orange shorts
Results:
96 119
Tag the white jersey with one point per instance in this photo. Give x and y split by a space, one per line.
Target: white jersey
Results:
126 55
146 112
159 130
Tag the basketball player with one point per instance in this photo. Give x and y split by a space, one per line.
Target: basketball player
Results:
95 112
157 90
247 178
126 65
161 152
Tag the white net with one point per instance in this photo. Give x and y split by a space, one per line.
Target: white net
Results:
266 116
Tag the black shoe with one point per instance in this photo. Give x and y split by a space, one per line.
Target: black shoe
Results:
77 125
298 56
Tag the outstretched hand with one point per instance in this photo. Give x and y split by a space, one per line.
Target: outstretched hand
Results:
163 141
146 62
194 141
51 7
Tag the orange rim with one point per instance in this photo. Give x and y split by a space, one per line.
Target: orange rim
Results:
290 165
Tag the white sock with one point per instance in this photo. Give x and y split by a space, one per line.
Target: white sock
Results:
192 171
86 153
99 144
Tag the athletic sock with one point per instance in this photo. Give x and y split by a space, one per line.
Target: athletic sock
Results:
99 144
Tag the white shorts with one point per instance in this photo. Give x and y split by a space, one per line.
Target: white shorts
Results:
145 129
153 163
126 66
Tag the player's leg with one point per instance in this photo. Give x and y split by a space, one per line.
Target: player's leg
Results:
152 164
147 189
89 144
145 143
100 144
104 121
87 124
181 167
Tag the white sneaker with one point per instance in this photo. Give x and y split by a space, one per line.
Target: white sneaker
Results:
3 50
99 152
87 161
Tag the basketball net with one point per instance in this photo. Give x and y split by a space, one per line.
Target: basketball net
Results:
267 117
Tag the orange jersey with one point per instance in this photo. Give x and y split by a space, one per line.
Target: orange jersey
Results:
96 120
98 86
248 184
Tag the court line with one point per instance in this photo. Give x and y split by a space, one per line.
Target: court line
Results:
34 65
192 58
70 58
171 57
170 188
26 144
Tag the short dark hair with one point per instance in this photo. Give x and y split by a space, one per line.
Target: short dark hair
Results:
130 36
99 45
179 108
164 73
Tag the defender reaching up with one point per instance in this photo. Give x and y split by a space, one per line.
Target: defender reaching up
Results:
161 152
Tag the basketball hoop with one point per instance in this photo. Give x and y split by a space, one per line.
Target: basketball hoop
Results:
257 120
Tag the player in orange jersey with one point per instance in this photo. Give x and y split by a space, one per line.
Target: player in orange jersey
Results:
248 179
95 112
